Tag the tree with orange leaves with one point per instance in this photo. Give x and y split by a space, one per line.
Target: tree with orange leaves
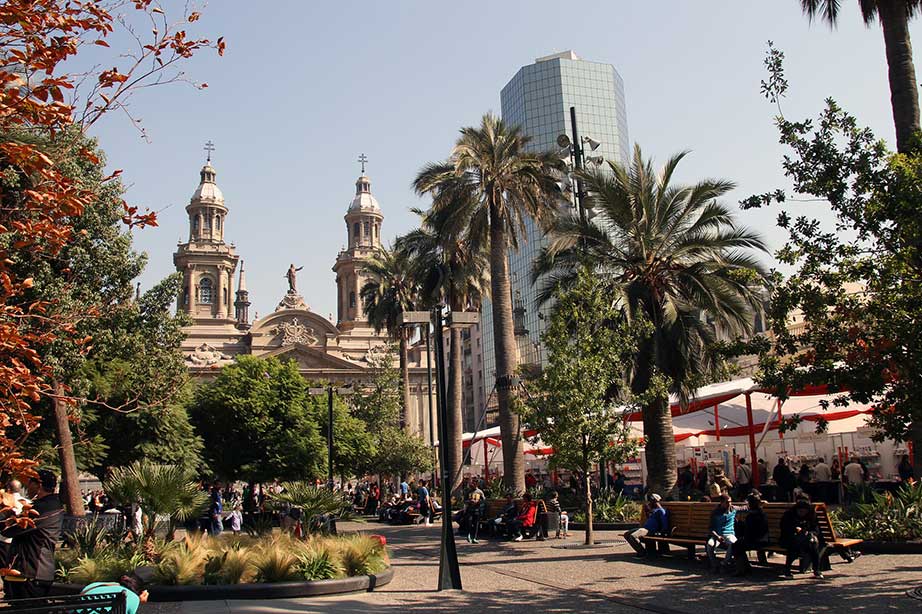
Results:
37 95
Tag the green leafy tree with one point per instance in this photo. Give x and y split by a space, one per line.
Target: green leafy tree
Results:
453 271
486 190
378 404
858 283
353 444
894 16
390 290
578 403
258 422
671 255
135 342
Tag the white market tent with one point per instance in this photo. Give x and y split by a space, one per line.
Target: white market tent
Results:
736 419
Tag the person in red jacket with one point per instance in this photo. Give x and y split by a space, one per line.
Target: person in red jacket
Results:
526 518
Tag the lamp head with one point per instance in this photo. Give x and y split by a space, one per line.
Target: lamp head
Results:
593 144
563 141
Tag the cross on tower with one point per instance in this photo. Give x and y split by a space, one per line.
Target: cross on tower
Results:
363 159
209 147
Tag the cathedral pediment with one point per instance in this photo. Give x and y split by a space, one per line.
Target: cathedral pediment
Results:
313 359
288 327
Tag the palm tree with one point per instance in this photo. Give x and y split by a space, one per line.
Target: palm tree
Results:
389 291
486 190
672 255
159 490
452 271
894 18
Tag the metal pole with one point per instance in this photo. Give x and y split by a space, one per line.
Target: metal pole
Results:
754 459
330 438
431 414
449 572
577 164
717 422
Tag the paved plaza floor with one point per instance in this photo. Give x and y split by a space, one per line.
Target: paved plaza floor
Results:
564 576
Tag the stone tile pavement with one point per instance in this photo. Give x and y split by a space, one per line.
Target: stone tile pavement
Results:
564 576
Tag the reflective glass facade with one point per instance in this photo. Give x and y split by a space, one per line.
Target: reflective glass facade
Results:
538 98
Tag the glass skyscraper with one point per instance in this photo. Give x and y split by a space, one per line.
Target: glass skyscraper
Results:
538 99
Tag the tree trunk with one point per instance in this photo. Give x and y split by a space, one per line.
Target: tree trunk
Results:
904 92
70 482
915 436
587 491
659 447
506 358
405 380
454 428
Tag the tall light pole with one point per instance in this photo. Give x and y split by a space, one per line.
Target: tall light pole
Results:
449 571
345 390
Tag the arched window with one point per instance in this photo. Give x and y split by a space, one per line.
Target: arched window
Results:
356 232
205 291
195 223
352 300
217 222
367 232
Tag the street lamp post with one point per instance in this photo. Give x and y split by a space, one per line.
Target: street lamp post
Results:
329 390
449 571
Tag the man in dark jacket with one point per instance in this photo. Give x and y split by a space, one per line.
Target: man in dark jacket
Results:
755 534
801 535
32 552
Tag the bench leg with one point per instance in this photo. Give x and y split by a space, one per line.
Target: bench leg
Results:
763 557
691 553
825 565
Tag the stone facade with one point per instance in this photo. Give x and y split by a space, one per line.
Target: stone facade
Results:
323 351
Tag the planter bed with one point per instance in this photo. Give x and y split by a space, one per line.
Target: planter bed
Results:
274 590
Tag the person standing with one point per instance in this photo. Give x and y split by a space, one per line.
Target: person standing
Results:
702 481
32 549
853 472
425 503
12 499
474 511
835 469
905 470
821 471
216 510
743 479
785 480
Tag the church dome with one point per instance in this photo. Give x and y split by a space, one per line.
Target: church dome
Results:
363 200
207 189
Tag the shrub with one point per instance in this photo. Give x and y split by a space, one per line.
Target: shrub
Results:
183 562
896 517
276 560
611 507
361 555
319 563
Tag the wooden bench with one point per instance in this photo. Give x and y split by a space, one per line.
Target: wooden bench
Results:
113 603
689 526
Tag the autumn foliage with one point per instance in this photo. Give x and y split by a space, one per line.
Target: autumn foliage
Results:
38 38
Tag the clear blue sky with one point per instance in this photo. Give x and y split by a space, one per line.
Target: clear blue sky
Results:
306 86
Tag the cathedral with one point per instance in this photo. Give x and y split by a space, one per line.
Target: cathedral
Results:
221 328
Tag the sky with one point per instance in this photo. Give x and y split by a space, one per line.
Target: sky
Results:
306 86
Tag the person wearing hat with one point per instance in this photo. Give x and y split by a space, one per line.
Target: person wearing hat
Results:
657 523
30 570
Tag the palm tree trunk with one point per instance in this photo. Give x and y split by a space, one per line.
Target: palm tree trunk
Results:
659 447
506 359
405 379
904 92
454 428
70 481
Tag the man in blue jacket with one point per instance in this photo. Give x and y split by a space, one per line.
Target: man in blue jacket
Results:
657 523
722 534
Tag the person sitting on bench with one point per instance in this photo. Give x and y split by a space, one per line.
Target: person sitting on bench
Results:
800 534
755 534
657 524
525 519
502 522
722 534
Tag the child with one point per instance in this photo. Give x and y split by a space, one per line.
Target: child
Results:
554 505
236 519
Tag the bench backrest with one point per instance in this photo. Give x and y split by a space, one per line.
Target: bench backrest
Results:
692 519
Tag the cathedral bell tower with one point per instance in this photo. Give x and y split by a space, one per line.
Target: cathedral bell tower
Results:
363 238
206 262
